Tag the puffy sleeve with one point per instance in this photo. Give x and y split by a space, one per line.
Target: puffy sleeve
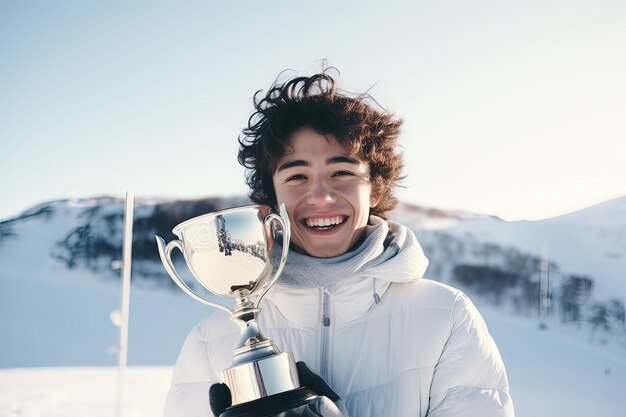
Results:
469 378
197 368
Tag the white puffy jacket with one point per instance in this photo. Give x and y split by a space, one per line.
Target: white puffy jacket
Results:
422 350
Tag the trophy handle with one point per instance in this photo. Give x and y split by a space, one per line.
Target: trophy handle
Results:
165 253
285 225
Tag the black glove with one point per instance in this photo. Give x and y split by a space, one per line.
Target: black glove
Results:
310 379
318 407
220 397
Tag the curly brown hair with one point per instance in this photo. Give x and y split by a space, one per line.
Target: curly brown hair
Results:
369 134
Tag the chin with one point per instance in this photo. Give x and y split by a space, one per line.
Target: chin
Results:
325 253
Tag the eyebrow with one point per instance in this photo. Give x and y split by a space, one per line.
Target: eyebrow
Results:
329 161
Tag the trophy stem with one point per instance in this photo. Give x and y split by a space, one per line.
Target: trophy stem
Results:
245 316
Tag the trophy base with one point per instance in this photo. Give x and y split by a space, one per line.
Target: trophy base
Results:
262 377
272 405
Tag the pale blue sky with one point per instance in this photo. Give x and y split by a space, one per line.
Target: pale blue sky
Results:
511 108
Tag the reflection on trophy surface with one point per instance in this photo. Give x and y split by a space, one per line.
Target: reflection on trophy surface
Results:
229 254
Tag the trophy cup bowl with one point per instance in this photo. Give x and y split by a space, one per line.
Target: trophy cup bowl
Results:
229 253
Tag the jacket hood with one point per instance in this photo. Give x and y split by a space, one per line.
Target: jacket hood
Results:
404 259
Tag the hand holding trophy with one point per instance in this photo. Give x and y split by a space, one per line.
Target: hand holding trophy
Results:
229 254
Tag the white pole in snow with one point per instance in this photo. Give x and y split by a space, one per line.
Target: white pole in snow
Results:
126 268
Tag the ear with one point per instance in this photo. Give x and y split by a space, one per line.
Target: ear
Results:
374 200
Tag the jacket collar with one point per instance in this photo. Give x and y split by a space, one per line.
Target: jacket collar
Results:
352 297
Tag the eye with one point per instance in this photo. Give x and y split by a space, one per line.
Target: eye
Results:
342 173
295 178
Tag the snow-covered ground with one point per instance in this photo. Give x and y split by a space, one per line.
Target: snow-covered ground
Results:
82 391
553 373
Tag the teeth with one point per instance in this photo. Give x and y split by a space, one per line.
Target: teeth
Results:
324 222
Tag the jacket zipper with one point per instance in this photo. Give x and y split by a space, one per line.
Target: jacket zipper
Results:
325 336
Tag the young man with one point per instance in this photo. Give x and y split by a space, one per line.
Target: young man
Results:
351 303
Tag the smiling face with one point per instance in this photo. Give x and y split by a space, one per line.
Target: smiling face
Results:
327 193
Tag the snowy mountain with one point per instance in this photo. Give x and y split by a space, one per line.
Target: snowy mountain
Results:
590 242
583 255
58 289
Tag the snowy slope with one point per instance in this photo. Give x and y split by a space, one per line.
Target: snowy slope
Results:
64 319
590 241
553 373
52 316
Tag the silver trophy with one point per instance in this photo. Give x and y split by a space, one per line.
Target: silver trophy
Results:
229 253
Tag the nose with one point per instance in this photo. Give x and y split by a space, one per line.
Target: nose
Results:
320 193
